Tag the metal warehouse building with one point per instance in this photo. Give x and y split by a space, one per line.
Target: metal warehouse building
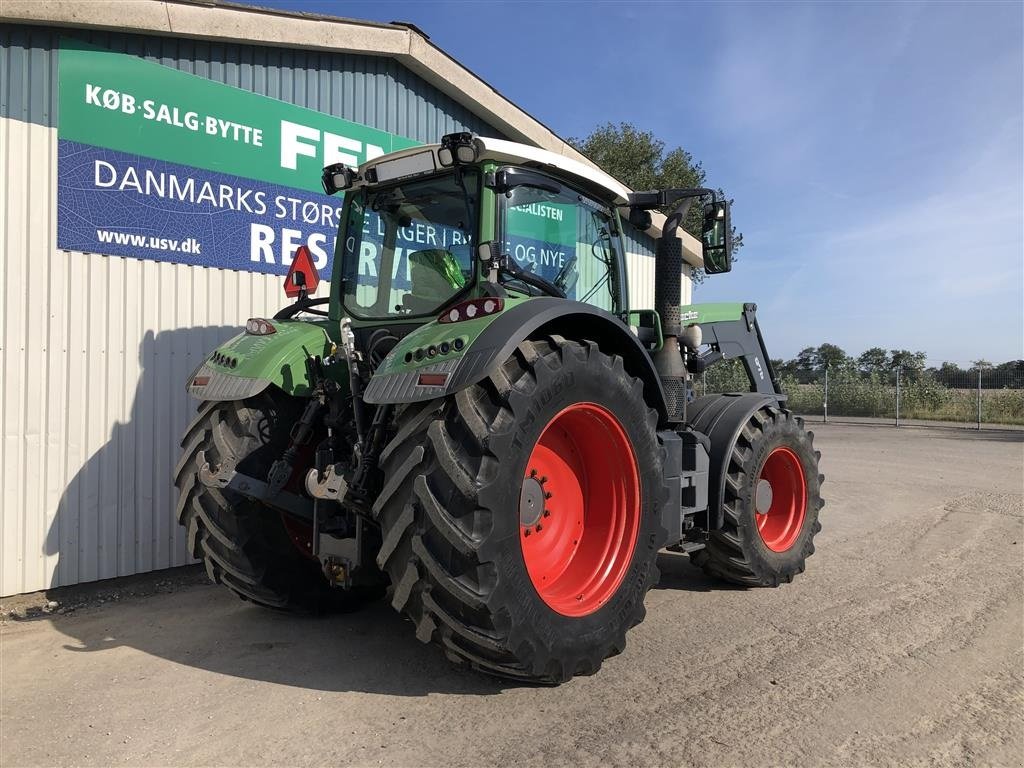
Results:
160 166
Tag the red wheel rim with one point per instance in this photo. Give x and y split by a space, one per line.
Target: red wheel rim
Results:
579 509
780 499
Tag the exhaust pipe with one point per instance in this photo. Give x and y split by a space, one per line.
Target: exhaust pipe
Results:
668 272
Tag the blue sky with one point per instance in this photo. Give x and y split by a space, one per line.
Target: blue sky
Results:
875 151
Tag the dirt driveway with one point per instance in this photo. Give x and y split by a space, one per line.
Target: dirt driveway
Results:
902 644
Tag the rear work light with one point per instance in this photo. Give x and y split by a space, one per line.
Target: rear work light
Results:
257 326
467 310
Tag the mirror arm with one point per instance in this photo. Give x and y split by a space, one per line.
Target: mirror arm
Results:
660 199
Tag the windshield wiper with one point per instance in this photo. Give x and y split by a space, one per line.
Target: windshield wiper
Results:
538 282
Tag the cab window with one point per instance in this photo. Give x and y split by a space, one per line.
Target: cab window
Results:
565 238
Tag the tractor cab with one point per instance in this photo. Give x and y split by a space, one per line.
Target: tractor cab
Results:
432 226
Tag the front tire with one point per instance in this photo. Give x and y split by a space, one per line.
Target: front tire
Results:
771 503
483 507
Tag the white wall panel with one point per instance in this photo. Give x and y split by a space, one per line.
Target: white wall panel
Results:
94 353
640 267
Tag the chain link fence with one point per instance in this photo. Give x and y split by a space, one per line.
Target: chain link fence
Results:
940 395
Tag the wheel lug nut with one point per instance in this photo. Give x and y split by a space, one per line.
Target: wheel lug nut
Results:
538 528
533 473
547 512
547 494
526 532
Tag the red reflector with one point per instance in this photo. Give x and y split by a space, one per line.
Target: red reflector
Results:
432 379
302 265
200 381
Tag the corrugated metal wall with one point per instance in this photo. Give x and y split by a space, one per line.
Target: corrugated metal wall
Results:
94 349
374 91
640 266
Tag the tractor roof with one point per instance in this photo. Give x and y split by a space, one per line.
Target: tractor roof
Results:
522 154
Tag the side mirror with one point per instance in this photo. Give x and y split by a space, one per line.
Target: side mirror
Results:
716 238
640 218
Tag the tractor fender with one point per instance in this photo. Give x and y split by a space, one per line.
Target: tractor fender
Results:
246 364
493 345
721 418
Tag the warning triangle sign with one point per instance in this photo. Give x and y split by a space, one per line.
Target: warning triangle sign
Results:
302 274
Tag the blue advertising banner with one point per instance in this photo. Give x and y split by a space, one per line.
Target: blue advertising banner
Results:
128 205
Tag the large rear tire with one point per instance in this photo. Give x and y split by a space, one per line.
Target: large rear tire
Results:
771 503
521 517
244 544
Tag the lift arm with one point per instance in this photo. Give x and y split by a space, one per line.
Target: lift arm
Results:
730 335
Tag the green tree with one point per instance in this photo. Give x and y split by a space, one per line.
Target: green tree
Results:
874 360
951 375
805 364
639 160
833 357
785 369
911 364
1009 374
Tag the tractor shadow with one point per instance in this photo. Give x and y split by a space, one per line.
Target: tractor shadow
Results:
679 574
178 616
204 627
115 516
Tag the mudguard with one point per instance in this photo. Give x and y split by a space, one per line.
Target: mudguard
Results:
246 365
477 347
720 418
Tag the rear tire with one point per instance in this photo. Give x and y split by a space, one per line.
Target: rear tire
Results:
244 544
453 505
767 545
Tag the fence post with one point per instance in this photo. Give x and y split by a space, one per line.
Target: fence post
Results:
898 369
979 397
824 402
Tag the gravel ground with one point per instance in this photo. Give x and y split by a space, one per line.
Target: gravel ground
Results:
903 644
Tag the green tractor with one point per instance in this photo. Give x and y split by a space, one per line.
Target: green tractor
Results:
477 424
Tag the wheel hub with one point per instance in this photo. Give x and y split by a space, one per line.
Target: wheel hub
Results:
763 497
531 502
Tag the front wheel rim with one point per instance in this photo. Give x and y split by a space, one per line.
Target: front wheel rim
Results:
579 509
780 499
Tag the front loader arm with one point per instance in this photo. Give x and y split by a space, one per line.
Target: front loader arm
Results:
732 331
